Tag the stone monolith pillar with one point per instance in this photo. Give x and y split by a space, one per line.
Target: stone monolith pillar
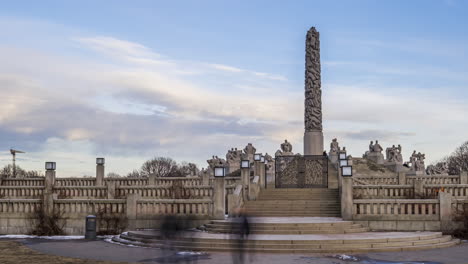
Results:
313 136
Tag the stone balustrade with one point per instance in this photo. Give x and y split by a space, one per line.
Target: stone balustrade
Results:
90 192
434 179
197 207
165 192
456 190
396 209
19 205
86 206
23 182
31 192
376 181
75 182
383 192
232 180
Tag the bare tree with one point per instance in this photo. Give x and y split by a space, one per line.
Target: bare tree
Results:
113 175
160 166
134 174
7 172
457 161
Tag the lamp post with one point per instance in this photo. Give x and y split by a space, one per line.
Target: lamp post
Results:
259 168
100 171
245 176
347 192
50 167
219 202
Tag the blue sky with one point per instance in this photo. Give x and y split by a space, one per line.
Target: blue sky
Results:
190 79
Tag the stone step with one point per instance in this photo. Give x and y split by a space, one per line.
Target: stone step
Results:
227 224
273 245
290 232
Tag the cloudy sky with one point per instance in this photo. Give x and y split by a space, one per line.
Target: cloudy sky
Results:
130 80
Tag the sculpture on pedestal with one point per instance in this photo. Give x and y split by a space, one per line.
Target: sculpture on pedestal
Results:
438 169
250 151
375 153
286 149
334 147
394 154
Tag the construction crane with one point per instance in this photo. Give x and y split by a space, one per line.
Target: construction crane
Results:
13 152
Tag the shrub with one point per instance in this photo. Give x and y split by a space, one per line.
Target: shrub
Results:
48 224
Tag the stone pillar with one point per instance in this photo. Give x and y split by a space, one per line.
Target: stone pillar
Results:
418 189
402 178
219 198
132 199
446 217
313 136
245 178
256 168
463 177
347 198
262 175
152 179
49 181
100 175
111 189
48 203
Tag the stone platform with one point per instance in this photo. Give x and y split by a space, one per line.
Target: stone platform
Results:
291 235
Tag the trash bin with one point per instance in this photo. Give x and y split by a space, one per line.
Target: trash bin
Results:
90 232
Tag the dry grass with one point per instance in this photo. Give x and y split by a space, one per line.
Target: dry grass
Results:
14 252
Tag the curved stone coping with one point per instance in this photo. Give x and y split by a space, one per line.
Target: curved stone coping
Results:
192 201
442 185
380 237
289 220
153 187
401 201
390 186
6 187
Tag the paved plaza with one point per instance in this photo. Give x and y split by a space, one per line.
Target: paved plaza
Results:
105 251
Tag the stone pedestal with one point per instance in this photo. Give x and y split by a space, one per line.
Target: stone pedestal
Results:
395 167
446 217
416 173
333 157
99 175
132 199
347 198
313 143
219 203
402 178
376 157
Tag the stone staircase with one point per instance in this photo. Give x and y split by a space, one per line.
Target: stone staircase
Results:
325 240
319 202
291 221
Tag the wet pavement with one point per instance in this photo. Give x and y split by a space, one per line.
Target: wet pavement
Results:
101 250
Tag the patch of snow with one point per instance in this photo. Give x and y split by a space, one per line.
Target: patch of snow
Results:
42 237
109 240
346 257
190 253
